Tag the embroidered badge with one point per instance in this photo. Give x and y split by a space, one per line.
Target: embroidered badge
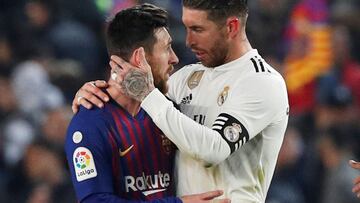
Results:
166 144
223 96
84 164
232 132
194 79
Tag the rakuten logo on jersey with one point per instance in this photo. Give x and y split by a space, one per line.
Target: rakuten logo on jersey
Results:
148 184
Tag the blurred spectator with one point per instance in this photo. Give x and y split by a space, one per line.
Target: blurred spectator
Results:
269 13
67 75
15 130
286 185
40 194
309 53
116 5
6 56
54 125
45 26
42 176
336 109
7 99
344 71
346 12
335 154
18 134
33 90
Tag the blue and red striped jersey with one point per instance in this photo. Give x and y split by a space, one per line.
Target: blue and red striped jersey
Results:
110 151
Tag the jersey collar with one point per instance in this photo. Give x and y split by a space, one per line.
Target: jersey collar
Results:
240 62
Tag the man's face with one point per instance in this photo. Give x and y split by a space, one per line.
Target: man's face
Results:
205 38
162 59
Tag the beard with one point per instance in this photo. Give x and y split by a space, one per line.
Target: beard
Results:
161 85
159 81
217 53
217 56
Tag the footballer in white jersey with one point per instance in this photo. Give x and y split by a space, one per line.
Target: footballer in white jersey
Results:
244 107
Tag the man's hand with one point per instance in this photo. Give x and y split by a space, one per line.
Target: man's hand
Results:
136 80
356 188
89 94
207 197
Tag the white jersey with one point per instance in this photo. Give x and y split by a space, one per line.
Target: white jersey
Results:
243 107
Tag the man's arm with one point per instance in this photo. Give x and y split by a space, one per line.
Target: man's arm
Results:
90 94
190 137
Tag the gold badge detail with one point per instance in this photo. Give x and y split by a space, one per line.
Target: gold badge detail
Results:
223 96
166 144
194 79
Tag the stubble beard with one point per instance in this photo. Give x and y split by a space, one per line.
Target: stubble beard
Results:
217 54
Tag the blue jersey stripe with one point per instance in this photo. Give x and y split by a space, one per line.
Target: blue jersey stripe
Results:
152 129
115 164
127 165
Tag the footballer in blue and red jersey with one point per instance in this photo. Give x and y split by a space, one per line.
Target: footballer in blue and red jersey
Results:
115 157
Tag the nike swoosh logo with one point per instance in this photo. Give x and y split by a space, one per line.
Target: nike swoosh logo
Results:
123 153
150 192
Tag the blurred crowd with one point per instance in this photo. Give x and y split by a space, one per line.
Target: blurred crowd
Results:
49 48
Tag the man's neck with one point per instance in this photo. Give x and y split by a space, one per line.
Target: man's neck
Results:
240 49
130 105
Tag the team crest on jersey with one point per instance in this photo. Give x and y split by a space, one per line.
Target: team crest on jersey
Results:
194 79
223 96
232 133
166 144
231 130
84 164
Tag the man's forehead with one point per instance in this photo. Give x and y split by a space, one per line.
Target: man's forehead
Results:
163 36
194 16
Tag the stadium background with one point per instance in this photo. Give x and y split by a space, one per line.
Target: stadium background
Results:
49 48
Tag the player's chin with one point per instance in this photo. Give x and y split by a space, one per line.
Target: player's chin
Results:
162 86
165 87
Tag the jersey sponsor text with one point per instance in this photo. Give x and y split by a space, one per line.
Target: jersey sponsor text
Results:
148 184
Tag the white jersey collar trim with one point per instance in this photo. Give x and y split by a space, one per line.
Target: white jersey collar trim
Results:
238 62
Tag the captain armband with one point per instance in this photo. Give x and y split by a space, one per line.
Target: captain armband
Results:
231 130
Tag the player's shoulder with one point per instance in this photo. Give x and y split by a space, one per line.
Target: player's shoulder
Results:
260 78
92 115
259 71
88 121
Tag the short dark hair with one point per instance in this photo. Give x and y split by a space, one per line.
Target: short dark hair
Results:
134 27
219 10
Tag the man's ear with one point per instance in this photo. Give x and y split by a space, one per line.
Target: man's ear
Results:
233 26
135 58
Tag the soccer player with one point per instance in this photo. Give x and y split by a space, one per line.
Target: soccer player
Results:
356 188
240 100
117 154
